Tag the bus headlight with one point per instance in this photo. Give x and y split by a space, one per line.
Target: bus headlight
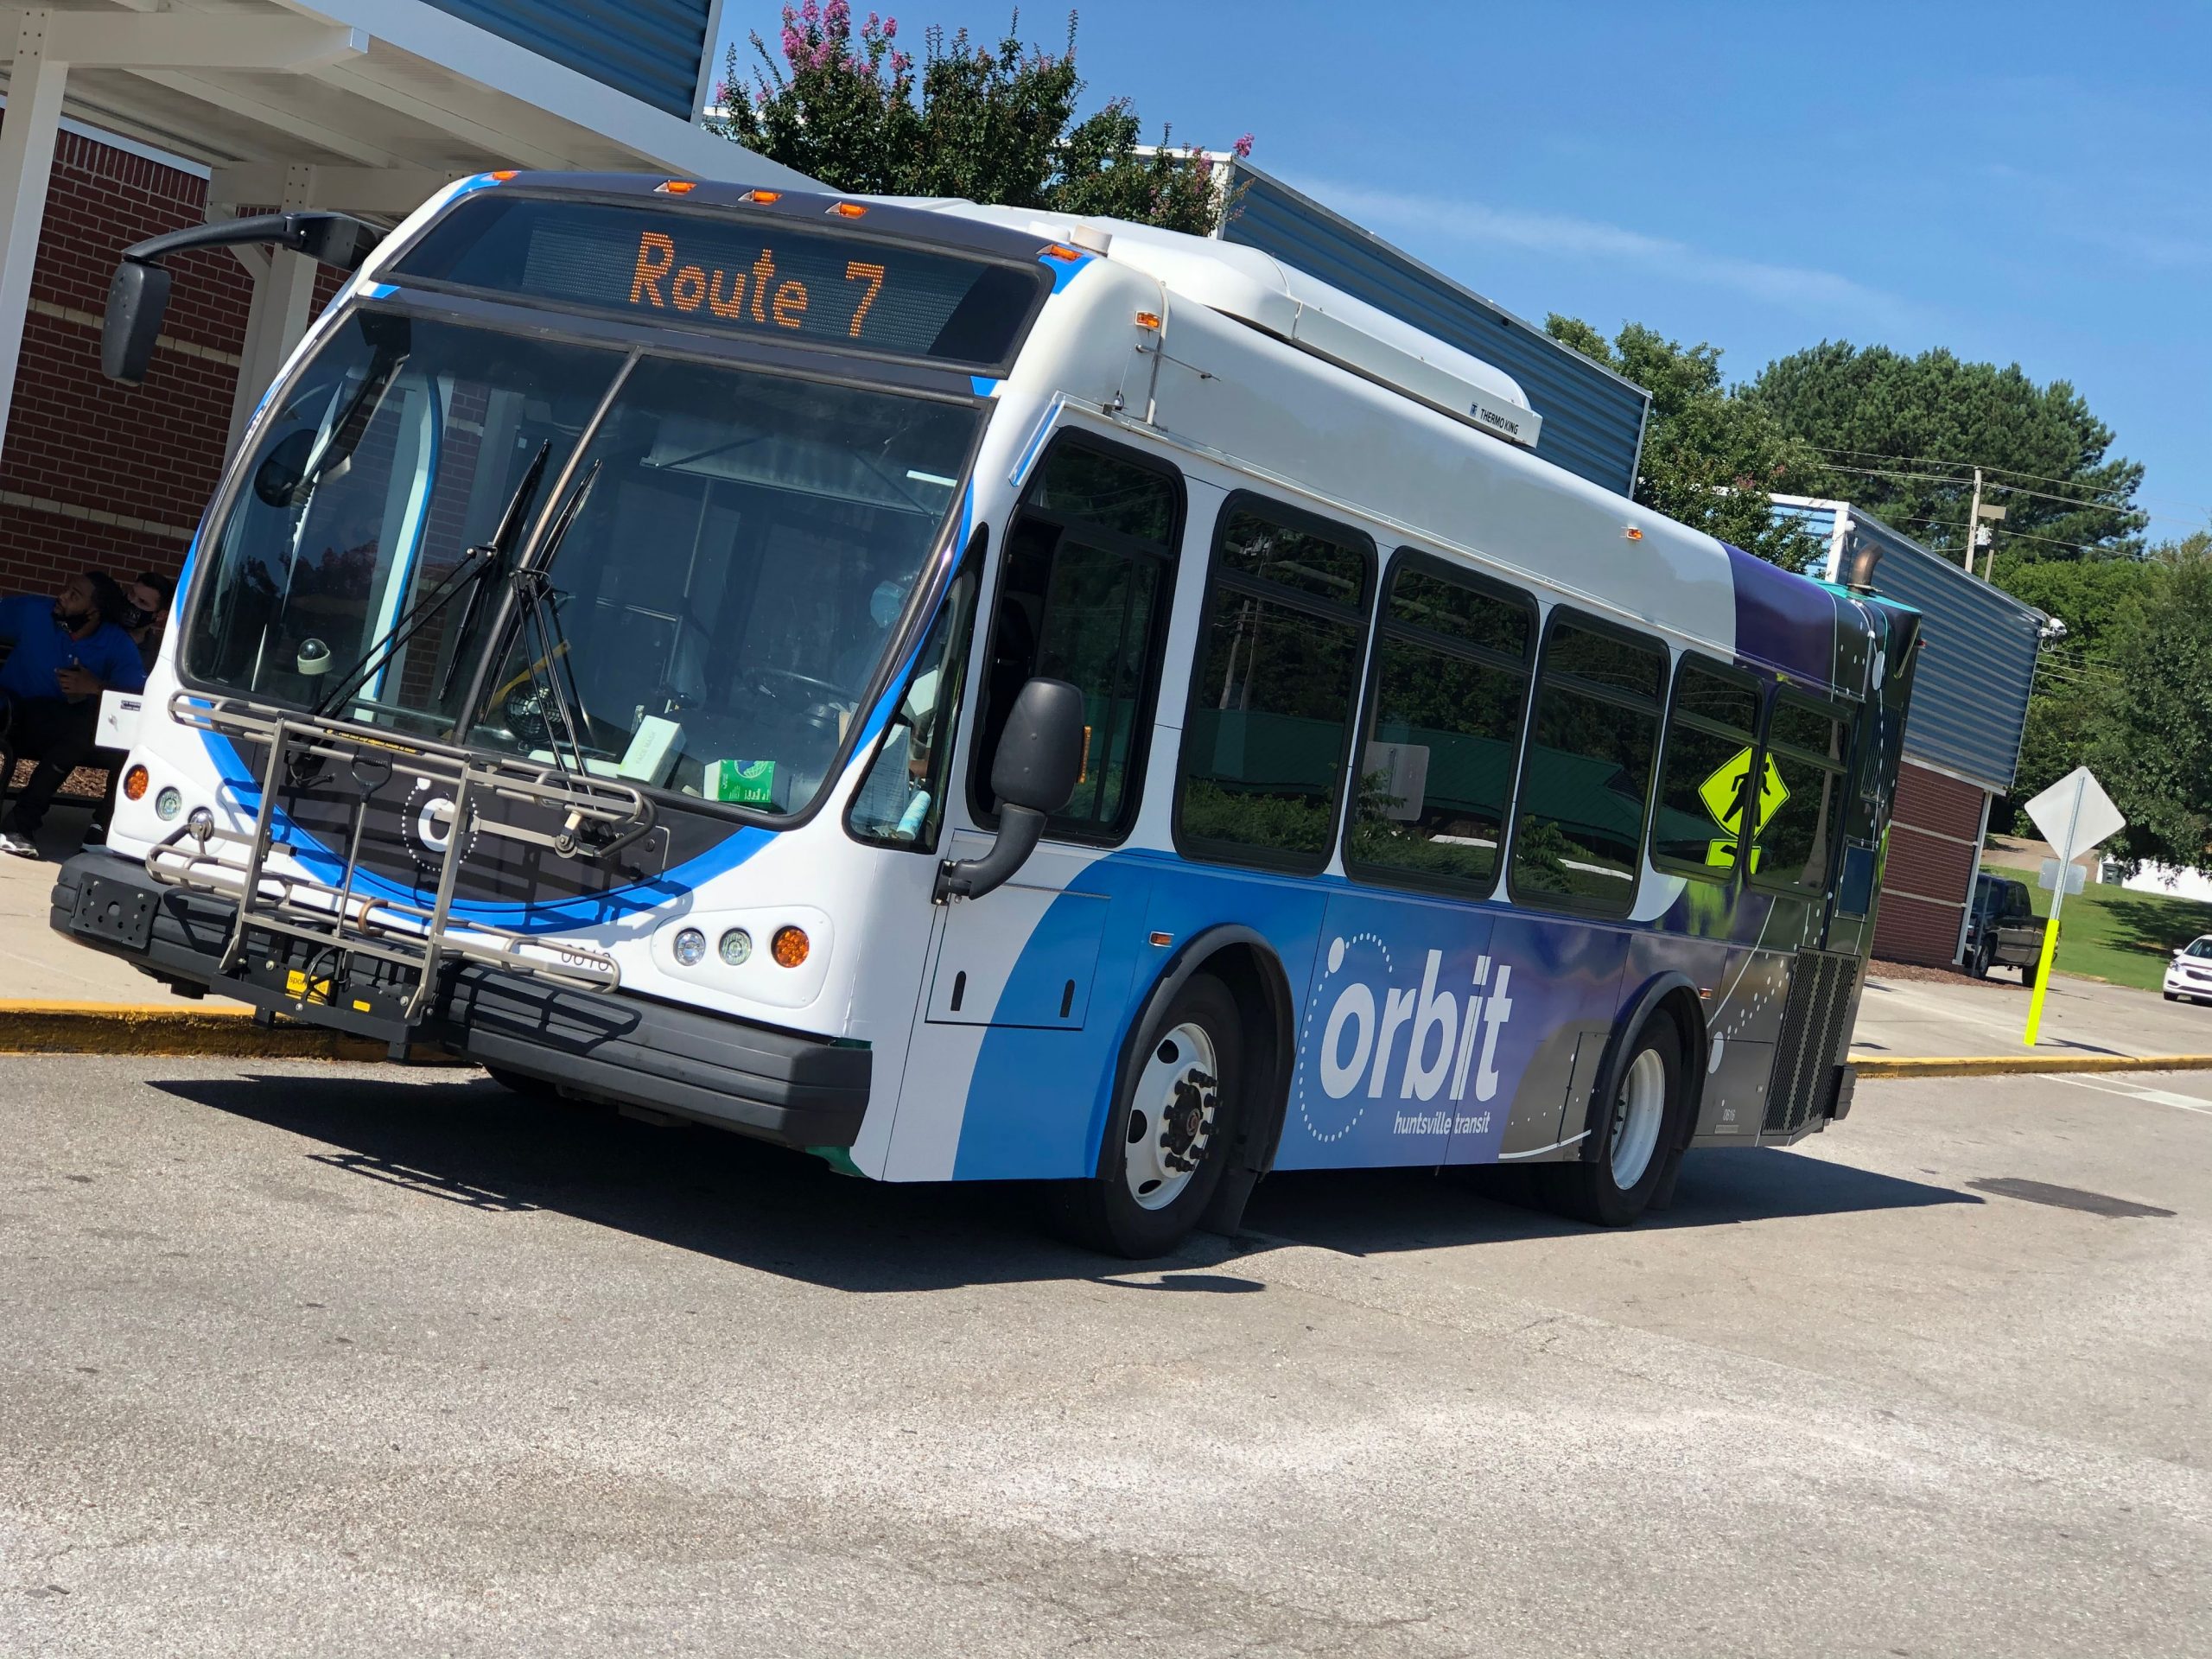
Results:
167 803
737 947
691 947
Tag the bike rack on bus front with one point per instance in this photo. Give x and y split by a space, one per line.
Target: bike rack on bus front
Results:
598 817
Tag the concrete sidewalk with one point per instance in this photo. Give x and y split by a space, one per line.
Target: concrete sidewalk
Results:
1903 1019
1899 1018
37 963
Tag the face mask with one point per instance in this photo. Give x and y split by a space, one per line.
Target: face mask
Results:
885 604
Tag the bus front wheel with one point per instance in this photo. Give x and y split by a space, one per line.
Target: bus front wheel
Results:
1641 1128
1171 1132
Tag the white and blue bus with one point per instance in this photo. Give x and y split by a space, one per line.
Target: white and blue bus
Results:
978 696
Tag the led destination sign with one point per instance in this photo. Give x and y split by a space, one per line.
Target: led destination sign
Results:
758 275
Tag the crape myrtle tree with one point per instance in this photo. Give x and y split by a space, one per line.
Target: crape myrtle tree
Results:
1711 459
849 105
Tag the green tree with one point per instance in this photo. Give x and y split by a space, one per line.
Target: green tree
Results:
989 123
2152 747
1711 459
2100 603
1902 434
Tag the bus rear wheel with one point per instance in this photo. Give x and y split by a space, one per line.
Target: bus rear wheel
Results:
1641 1128
1168 1139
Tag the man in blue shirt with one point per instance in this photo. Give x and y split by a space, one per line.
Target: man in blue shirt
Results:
66 650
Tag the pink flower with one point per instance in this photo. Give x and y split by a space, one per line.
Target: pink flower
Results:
891 29
1243 148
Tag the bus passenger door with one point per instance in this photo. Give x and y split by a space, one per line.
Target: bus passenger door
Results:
1025 986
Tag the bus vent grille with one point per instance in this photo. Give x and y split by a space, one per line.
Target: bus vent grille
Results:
1812 1034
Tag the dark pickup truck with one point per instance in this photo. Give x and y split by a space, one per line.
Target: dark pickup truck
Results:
2002 929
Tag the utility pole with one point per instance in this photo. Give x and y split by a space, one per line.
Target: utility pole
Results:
1974 522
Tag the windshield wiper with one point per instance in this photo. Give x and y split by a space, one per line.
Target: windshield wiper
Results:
476 563
548 669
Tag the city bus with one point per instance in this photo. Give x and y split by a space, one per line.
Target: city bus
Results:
976 694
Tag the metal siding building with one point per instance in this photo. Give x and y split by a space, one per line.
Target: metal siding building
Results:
651 49
1977 666
1594 419
1963 737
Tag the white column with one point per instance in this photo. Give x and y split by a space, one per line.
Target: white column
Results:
284 300
27 137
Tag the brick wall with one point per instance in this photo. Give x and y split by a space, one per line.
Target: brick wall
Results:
1929 871
96 474
93 473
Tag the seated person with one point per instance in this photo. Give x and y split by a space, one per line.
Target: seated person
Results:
67 651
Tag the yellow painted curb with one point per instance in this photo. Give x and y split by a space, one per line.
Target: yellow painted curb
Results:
34 1027
1999 1065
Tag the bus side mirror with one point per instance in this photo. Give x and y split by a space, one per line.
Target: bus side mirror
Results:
137 300
1039 762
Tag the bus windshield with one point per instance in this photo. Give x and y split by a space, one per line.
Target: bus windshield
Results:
739 546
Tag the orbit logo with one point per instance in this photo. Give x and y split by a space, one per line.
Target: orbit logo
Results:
1429 1048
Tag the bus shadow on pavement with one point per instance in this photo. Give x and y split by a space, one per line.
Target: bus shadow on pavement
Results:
473 1144
1375 1211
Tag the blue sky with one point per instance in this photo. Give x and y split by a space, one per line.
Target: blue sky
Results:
2024 183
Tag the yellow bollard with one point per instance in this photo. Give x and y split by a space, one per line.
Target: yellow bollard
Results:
2043 979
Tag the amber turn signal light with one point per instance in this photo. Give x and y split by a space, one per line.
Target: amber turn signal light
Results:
788 947
134 783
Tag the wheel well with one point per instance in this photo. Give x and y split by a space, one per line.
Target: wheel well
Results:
1688 1014
1256 980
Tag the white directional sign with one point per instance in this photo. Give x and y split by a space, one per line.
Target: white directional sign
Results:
2074 813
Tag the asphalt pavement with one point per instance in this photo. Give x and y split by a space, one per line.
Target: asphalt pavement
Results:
297 1358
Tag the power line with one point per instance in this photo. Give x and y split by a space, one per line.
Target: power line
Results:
2012 535
2147 516
2198 516
1931 461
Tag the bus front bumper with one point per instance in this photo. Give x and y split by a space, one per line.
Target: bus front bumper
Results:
786 1086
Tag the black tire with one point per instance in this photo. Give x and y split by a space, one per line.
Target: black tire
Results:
1585 1189
1104 1214
1981 962
2172 996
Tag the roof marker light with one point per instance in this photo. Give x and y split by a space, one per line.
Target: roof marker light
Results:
1054 250
763 197
848 209
1631 532
502 176
1147 318
675 187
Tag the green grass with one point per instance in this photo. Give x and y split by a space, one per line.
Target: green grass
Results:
2106 933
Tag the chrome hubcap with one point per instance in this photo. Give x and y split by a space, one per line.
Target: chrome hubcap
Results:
1170 1124
1638 1111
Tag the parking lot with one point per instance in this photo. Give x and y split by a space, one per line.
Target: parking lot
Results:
304 1359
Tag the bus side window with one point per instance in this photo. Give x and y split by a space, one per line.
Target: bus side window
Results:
1275 688
1705 771
1084 597
1809 750
1450 692
1580 836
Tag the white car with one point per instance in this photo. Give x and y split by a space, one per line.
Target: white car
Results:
2190 973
